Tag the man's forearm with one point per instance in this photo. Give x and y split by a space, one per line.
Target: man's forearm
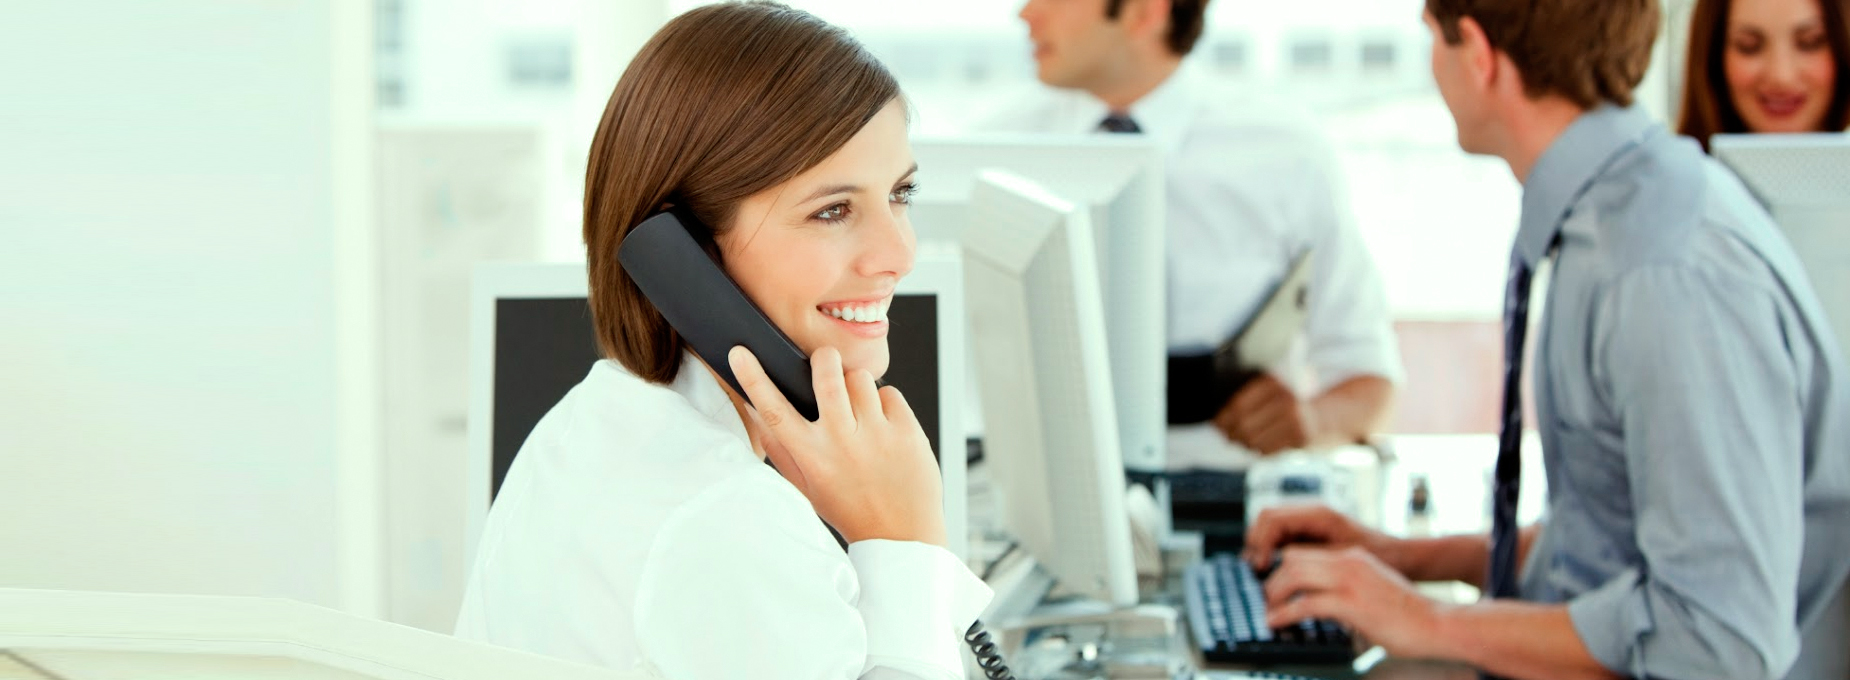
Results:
1351 411
1464 557
1445 558
1517 640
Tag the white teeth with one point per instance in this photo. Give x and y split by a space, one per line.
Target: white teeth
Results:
871 313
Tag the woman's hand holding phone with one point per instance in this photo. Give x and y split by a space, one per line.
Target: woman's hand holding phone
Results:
864 464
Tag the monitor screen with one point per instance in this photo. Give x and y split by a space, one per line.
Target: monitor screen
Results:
913 369
545 346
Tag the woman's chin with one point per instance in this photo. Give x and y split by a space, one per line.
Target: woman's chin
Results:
1769 123
870 356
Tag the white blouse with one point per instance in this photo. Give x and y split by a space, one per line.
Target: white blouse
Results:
638 530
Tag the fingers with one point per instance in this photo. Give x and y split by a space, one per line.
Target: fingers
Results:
1304 571
773 409
786 464
1261 538
1274 526
1267 418
1263 417
1228 422
1261 390
1275 432
1323 605
865 396
832 405
894 405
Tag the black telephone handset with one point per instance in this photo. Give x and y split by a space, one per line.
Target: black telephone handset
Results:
672 258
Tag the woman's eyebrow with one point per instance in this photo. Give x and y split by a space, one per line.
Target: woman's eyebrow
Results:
832 190
908 173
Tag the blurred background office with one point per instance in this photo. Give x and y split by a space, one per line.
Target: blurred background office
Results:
238 240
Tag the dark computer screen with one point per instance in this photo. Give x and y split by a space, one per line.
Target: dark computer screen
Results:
913 342
545 346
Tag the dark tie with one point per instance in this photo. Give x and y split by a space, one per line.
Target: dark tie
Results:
1503 532
1118 122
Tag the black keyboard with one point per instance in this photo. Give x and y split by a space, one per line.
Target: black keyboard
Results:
1226 612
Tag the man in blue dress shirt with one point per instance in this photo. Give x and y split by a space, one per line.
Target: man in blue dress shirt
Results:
1694 406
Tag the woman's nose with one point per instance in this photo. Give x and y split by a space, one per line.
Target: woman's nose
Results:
1784 69
889 246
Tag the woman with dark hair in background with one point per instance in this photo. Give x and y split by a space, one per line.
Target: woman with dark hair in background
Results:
639 526
1766 66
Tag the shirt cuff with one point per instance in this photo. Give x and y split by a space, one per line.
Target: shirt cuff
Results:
917 600
1610 621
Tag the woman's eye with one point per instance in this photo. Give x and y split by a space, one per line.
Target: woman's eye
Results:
1813 42
904 194
833 213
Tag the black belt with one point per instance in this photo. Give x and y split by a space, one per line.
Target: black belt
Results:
1200 385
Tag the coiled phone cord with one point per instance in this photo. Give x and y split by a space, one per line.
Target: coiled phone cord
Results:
987 658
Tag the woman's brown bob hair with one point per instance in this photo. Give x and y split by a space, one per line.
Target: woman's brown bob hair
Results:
725 101
1708 110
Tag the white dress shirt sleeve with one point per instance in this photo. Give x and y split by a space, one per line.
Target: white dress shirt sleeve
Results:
1349 333
744 581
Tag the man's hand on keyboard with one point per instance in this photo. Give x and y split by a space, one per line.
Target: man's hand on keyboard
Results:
1277 527
1357 589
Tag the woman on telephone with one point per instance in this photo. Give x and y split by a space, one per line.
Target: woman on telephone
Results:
639 526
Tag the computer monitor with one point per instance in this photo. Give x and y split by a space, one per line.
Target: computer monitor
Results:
1037 324
532 341
1804 182
1118 182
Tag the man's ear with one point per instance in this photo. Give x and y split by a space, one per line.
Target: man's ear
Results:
1146 18
1483 65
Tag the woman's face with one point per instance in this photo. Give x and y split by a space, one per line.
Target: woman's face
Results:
1778 64
821 253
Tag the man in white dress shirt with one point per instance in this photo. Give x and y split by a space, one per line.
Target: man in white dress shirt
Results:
1248 192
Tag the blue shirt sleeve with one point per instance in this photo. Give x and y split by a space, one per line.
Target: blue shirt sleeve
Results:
1696 365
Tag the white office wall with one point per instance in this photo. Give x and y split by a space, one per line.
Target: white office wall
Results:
188 396
473 169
